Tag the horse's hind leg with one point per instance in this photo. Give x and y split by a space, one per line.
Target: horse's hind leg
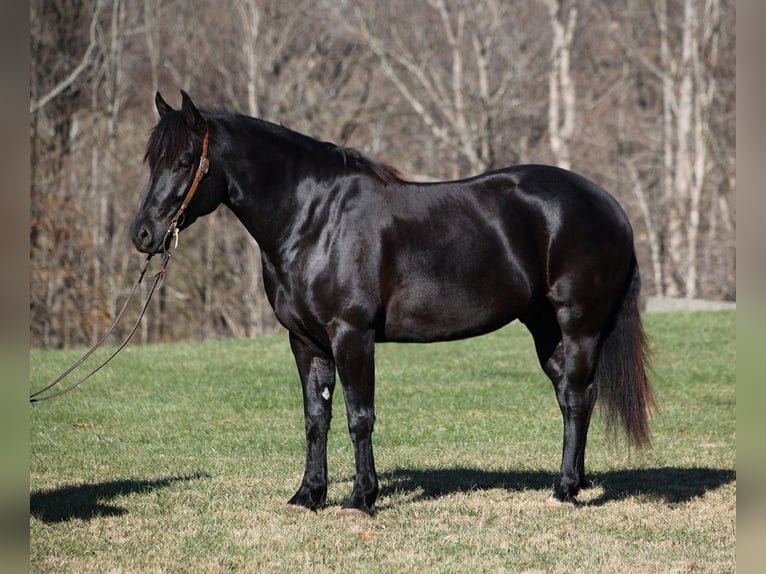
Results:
576 395
568 358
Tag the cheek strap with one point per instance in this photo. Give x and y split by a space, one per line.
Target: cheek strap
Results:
202 169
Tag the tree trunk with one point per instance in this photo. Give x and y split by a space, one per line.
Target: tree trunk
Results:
562 97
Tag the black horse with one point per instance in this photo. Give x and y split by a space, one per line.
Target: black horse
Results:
353 255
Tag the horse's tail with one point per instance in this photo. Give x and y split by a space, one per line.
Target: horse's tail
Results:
624 391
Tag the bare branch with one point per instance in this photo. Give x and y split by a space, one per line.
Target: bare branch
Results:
71 78
389 70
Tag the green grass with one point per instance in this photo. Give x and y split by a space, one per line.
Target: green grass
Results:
179 458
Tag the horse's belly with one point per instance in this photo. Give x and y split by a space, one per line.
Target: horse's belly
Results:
428 311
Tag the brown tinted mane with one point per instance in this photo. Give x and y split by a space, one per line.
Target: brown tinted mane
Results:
354 159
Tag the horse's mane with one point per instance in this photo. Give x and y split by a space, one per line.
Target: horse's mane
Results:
171 137
355 159
167 140
342 157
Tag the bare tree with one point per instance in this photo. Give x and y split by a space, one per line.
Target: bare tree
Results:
562 98
688 92
36 104
680 177
452 72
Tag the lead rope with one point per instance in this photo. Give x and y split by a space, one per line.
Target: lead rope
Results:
172 232
35 397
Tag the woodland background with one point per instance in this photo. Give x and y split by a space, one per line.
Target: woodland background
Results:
638 95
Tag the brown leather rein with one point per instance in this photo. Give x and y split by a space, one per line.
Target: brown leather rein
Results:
172 231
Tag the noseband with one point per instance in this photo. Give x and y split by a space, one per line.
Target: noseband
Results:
177 220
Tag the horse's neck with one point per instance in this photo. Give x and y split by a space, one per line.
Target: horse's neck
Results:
262 183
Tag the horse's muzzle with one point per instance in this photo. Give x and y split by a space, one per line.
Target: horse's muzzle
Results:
145 237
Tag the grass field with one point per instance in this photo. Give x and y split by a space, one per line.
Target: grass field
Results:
180 458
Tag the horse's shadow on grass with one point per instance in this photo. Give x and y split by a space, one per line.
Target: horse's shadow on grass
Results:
666 484
89 501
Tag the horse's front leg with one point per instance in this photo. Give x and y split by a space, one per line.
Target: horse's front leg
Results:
317 374
354 354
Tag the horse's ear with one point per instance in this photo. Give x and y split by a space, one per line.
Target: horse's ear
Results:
194 119
162 106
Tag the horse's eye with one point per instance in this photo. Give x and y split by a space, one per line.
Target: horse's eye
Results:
183 164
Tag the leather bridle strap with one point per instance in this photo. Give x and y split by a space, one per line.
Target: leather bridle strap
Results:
202 169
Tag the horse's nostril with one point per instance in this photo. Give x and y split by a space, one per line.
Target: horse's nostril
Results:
143 237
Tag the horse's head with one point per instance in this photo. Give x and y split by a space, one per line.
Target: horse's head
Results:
173 153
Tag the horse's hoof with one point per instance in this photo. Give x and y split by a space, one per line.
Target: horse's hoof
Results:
353 513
